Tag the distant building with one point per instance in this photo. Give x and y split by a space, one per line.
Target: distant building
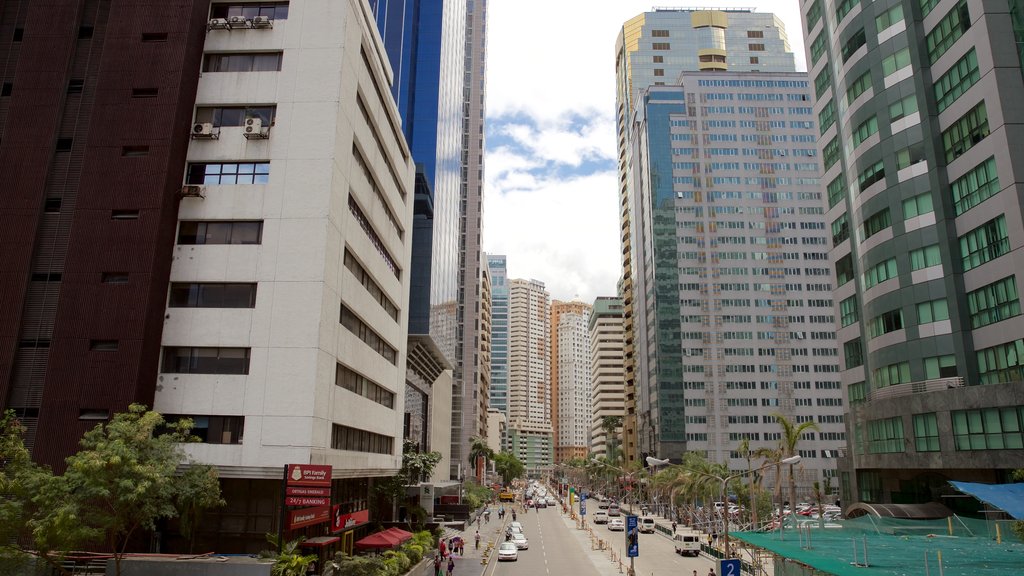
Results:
607 376
570 369
920 132
529 407
499 332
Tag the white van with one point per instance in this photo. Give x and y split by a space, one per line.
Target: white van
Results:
688 544
646 525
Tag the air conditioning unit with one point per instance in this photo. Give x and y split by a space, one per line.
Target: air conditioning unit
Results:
254 129
238 22
203 131
218 24
262 22
192 191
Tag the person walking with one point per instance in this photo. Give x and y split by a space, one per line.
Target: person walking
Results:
451 567
513 515
477 537
711 572
674 528
438 571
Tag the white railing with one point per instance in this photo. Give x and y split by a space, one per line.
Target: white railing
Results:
910 388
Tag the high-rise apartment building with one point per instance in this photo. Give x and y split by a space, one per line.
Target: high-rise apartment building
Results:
558 309
607 375
285 330
482 354
496 266
90 107
919 136
652 49
570 379
529 365
733 288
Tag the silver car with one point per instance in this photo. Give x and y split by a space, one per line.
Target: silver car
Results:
519 539
508 551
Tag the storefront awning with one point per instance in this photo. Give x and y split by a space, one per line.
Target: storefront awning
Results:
319 542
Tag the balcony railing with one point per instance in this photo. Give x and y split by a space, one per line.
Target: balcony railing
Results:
910 388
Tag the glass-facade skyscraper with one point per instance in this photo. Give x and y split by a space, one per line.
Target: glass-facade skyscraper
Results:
499 332
919 131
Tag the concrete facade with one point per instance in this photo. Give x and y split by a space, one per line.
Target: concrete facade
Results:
529 407
607 375
573 376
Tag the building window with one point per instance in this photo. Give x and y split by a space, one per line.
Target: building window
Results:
891 16
229 173
875 223
661 46
843 8
967 131
849 312
756 47
932 311
659 72
857 392
205 360
976 186
885 323
840 229
896 61
858 87
988 428
817 48
853 44
926 432
948 31
272 10
1001 363
984 244
870 175
822 81
755 33
145 92
75 86
898 373
367 227
957 80
114 278
371 286
658 59
243 62
124 214
6 89
154 37
844 270
93 414
362 331
235 232
940 367
813 15
903 108
659 33
920 204
885 436
212 295
927 5
103 345
925 257
865 130
212 429
827 116
836 191
994 302
356 440
880 272
830 154
853 353
351 380
754 60
235 115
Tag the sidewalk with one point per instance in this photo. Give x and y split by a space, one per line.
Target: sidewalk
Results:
469 564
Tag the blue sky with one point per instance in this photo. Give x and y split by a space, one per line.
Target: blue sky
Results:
550 200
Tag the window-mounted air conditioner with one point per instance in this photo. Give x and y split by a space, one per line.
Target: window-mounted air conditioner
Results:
218 24
192 191
238 22
254 129
262 22
203 131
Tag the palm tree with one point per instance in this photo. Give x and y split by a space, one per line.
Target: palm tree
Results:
773 455
744 450
610 424
508 467
791 434
478 449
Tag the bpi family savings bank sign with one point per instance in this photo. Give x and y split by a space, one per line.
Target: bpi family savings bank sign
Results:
302 482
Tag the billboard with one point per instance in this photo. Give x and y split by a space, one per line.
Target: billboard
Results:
632 536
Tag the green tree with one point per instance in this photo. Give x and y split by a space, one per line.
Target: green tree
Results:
791 434
508 467
478 448
610 425
199 490
416 466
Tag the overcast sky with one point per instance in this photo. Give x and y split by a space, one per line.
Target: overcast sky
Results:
550 200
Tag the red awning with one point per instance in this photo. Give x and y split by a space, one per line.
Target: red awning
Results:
402 535
319 541
378 540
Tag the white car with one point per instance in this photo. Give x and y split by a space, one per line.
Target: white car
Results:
616 524
516 526
646 525
520 541
600 517
508 551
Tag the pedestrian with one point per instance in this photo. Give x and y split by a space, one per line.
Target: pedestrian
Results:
477 539
694 573
513 515
451 567
443 549
674 529
711 572
439 572
462 547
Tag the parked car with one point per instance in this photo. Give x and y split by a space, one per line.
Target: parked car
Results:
617 524
508 551
600 517
646 525
520 541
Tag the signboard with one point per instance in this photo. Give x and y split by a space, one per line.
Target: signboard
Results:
304 491
308 475
341 521
729 567
307 500
633 537
308 517
450 499
427 498
583 507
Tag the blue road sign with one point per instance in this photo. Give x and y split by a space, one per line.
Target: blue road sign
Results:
633 537
729 567
583 507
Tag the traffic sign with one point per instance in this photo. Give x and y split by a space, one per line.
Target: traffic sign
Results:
633 537
583 507
729 567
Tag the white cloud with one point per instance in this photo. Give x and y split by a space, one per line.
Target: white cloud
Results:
550 111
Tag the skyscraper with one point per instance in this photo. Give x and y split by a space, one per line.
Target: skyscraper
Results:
529 404
652 49
919 134
499 332
606 375
570 379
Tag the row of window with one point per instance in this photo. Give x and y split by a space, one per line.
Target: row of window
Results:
981 429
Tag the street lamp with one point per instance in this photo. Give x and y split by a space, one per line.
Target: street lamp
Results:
725 487
654 463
